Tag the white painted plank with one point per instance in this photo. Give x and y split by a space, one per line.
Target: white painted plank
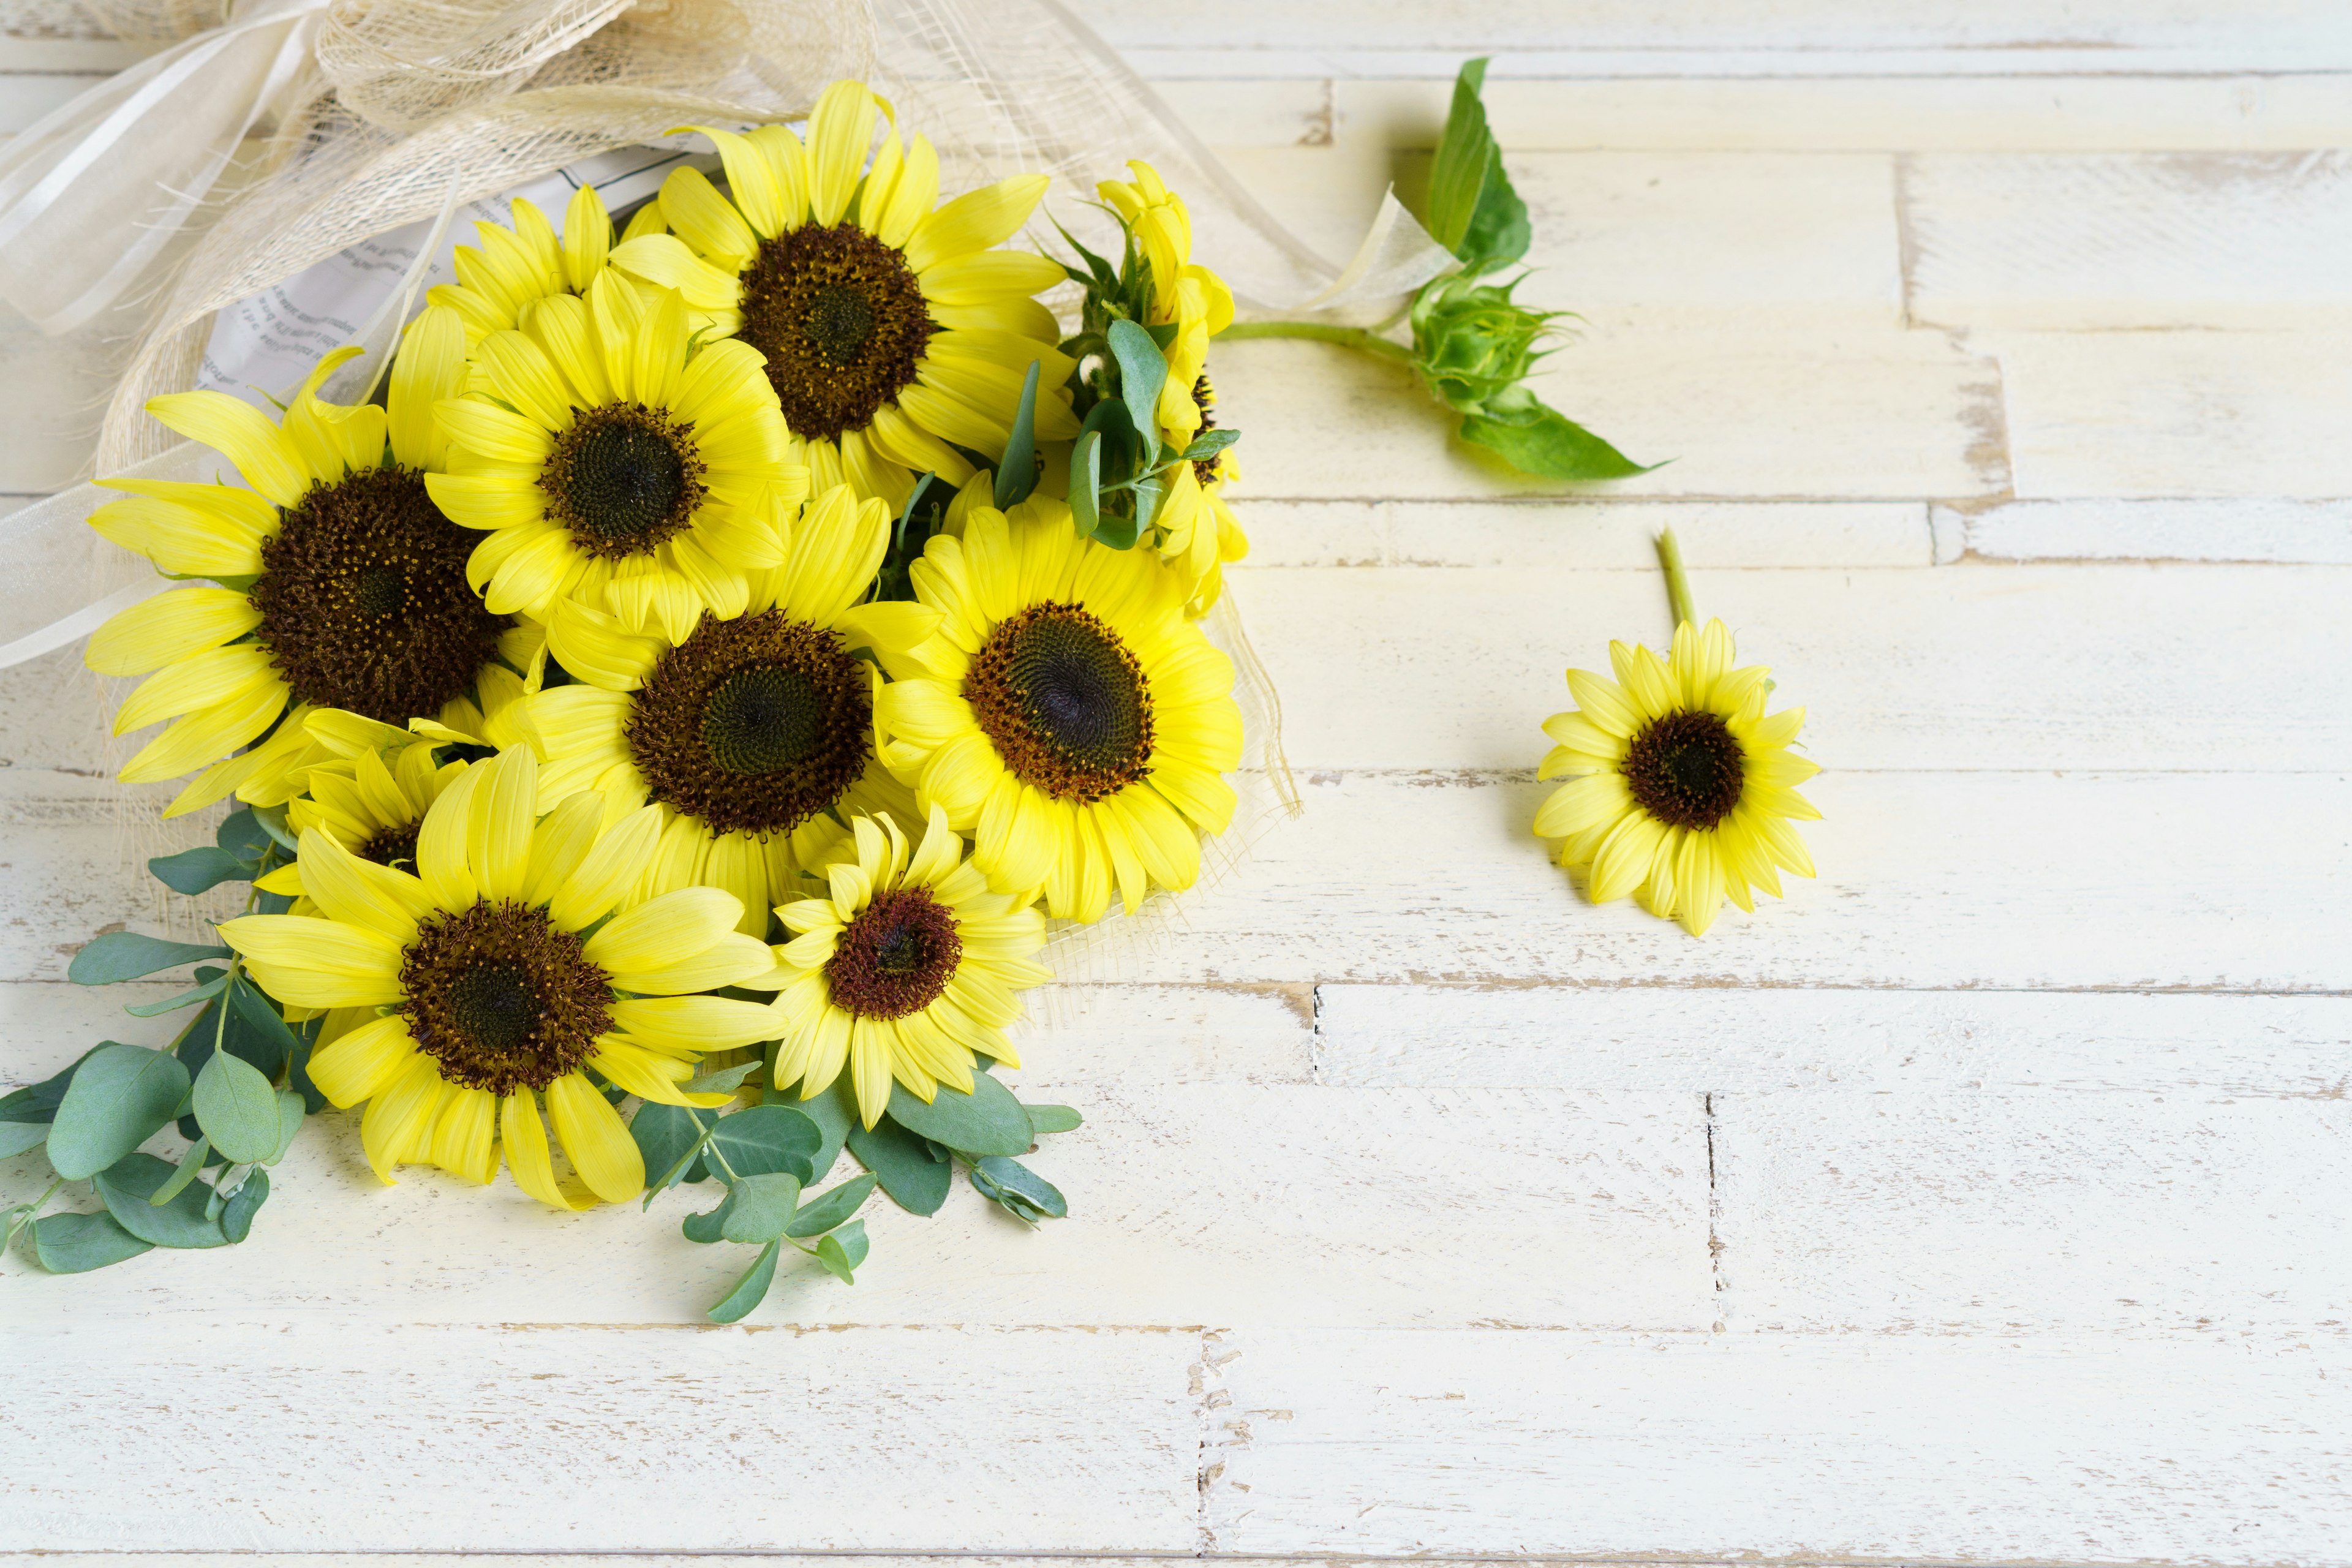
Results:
2172 240
2101 666
1724 1039
565 1438
2238 529
1580 533
1189 1204
2177 414
1976 1450
2033 1213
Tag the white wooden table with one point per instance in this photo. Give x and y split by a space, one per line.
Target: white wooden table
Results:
1983 1202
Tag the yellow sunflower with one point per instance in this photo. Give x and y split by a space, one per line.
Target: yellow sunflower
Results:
499 979
339 582
1197 530
1682 788
614 462
894 333
1068 714
747 733
904 969
370 794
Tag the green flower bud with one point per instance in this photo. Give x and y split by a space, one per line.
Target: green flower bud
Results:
1472 344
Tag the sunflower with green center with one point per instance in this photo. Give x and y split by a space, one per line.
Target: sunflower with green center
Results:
500 979
893 331
1197 531
904 969
1068 714
338 581
612 461
748 734
1681 788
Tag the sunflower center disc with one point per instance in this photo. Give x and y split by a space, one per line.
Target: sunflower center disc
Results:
896 957
842 321
1065 704
393 845
754 724
363 599
501 999
623 479
1686 770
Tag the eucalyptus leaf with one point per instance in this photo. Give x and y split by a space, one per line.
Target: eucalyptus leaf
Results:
902 1162
832 1209
988 1120
199 870
766 1140
1086 481
843 1251
78 1243
290 1113
272 819
236 1214
191 1165
834 1110
38 1101
1544 442
204 992
1018 1189
127 955
120 1097
237 1108
723 1079
1045 1119
708 1227
22 1137
750 1290
269 1033
1016 475
1142 371
130 1182
668 1136
762 1207
1208 444
242 835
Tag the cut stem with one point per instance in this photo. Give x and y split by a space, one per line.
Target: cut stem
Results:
1362 338
1678 595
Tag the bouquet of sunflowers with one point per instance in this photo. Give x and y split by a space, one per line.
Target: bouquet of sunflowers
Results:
663 718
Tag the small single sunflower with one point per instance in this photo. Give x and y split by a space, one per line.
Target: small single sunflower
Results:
905 969
893 333
615 462
1682 787
499 979
1067 714
370 794
340 584
1198 532
748 735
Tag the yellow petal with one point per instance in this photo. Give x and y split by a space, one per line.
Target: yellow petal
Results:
401 1115
976 220
525 1139
242 434
594 1135
665 931
840 131
361 1064
171 626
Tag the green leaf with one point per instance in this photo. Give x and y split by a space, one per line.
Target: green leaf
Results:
272 819
831 1209
668 1136
242 835
916 1180
724 1079
1016 475
766 1140
1142 371
1459 169
204 992
274 1041
120 1097
291 1110
750 1290
1045 1119
22 1137
1499 232
196 870
127 955
78 1243
191 1165
130 1182
1086 481
1021 1191
1544 442
1208 444
236 1214
835 1112
237 1108
708 1227
762 1208
38 1101
988 1120
843 1251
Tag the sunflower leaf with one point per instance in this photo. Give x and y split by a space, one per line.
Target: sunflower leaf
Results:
1543 441
750 1290
1472 209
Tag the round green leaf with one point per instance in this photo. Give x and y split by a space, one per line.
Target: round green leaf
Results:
237 1108
988 1120
21 1136
128 1184
767 1139
120 1097
763 1206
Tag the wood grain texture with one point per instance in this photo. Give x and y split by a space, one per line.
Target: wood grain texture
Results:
2309 532
482 1438
1808 1446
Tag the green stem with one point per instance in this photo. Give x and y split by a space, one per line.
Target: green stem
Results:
1322 332
1678 594
27 1213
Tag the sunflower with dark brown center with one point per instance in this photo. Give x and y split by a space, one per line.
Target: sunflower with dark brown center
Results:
896 333
341 585
904 972
1068 716
523 959
623 479
753 732
1681 788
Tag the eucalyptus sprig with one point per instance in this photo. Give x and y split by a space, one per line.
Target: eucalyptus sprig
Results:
1474 345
